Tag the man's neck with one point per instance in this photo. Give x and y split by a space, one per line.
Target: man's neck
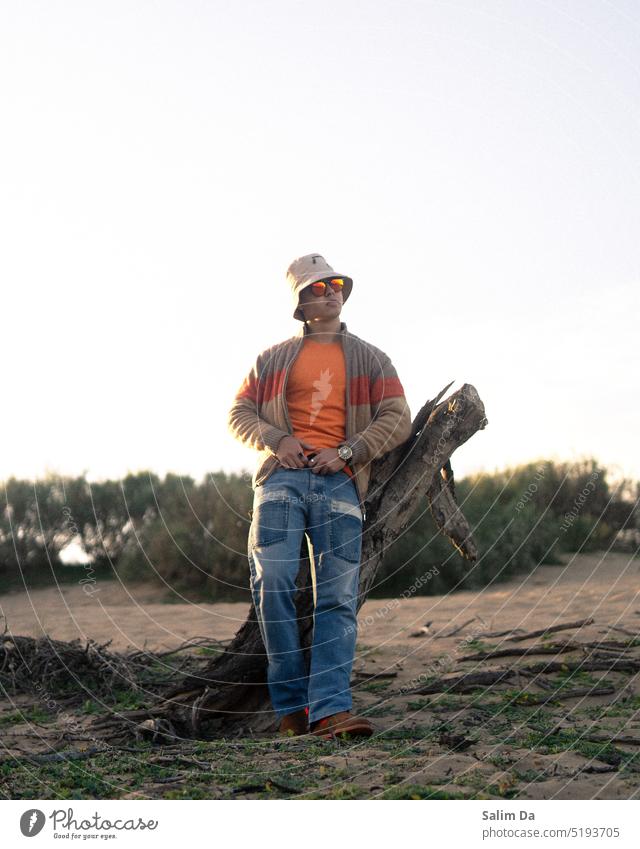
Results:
324 331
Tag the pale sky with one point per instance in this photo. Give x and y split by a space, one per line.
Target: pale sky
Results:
472 165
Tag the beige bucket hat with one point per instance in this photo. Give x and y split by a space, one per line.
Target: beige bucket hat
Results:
309 269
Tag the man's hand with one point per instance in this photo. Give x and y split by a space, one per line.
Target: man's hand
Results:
290 453
326 462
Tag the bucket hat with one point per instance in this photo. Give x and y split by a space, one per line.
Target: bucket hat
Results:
309 269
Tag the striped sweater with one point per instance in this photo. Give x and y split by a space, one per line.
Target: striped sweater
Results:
377 413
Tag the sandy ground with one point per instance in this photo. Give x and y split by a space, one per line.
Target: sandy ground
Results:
486 750
604 587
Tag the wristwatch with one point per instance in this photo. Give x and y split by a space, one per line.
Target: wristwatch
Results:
344 452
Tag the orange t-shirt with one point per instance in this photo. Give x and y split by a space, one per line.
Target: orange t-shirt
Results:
316 397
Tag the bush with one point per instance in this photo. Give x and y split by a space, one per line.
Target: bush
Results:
192 537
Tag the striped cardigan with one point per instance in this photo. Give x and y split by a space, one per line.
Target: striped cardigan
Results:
377 414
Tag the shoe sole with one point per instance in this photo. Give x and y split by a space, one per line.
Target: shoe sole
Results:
331 734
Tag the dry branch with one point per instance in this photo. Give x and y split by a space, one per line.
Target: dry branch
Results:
539 648
455 630
486 635
551 630
460 684
634 634
559 694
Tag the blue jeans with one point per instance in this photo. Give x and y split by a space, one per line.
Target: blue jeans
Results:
290 503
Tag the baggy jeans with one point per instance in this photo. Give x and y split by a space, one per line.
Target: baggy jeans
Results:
290 503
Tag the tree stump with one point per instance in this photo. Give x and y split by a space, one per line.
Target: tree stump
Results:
231 693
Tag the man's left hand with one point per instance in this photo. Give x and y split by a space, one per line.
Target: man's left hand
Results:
326 462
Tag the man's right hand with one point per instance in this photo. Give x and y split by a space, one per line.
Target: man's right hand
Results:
290 453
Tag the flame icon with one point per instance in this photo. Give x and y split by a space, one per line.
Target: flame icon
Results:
323 390
32 822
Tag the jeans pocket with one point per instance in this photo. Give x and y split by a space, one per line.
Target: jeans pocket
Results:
345 521
270 519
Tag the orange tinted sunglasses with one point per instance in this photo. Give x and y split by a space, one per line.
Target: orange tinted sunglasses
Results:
321 287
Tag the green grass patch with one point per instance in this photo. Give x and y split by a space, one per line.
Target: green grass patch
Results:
374 686
35 714
563 741
420 791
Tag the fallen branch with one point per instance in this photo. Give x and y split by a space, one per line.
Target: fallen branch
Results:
549 648
610 645
364 677
259 788
460 684
58 757
594 768
195 643
455 630
634 634
552 629
503 633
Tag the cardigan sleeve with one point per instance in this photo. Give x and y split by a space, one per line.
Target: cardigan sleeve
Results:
243 420
390 425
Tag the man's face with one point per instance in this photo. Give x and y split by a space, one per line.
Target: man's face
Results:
328 305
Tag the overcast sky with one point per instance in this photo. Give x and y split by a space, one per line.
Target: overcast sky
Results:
472 165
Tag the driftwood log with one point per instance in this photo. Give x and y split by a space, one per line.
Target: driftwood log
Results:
231 694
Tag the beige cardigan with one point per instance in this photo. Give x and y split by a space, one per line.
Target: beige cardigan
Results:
377 414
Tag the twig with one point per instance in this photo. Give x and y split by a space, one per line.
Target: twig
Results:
551 630
594 768
542 682
373 676
553 648
622 645
460 684
257 788
196 642
634 634
61 757
503 633
455 630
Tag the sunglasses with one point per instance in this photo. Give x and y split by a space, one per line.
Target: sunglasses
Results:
321 288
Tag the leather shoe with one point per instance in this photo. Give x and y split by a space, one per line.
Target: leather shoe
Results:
343 722
296 723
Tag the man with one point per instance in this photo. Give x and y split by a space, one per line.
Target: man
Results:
319 407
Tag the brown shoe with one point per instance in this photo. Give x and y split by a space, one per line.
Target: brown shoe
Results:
296 723
343 722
